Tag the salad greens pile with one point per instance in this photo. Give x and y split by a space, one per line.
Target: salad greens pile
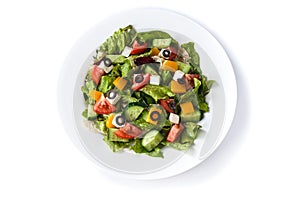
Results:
144 92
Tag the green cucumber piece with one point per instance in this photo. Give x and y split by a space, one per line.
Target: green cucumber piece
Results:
132 111
91 114
162 43
111 136
184 67
150 70
152 139
191 117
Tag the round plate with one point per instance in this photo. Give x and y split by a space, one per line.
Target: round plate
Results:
214 63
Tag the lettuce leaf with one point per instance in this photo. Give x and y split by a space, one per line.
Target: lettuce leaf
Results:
137 147
190 48
149 36
117 42
157 92
106 84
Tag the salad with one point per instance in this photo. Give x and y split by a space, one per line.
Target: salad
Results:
144 92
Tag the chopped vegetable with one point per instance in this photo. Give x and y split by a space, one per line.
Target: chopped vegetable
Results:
144 92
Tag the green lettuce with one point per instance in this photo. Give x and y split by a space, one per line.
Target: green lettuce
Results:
149 36
117 42
190 48
157 92
106 83
137 147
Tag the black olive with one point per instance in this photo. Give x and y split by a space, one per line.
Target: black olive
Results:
172 105
139 78
111 94
155 115
120 120
166 53
107 62
181 80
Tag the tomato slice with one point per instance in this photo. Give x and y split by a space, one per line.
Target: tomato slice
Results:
97 73
138 48
103 106
168 105
189 80
121 134
131 130
175 132
138 85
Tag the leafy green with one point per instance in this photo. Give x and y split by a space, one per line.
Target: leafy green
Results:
125 69
106 84
177 145
166 77
116 146
84 113
117 42
190 48
157 92
149 36
100 125
137 147
184 67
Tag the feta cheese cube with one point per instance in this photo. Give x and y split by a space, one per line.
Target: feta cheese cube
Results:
126 52
154 79
118 121
174 118
178 75
113 100
106 69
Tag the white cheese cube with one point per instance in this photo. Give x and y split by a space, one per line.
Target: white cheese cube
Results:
114 100
178 75
117 117
154 79
126 52
174 118
108 69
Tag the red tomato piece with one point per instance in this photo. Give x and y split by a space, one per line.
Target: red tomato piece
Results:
103 106
97 73
138 85
121 134
138 48
131 130
189 80
168 105
175 132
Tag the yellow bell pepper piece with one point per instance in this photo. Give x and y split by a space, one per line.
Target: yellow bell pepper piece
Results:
170 65
187 108
154 51
149 120
94 94
109 121
177 87
120 83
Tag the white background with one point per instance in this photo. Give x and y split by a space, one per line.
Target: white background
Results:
259 158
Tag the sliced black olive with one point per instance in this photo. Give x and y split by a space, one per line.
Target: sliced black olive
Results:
139 78
181 80
111 94
172 105
107 62
120 120
155 115
166 53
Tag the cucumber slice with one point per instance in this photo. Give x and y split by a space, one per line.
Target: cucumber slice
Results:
191 117
152 139
132 111
150 70
113 138
162 43
91 114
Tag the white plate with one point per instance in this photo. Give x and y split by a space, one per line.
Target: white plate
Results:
214 63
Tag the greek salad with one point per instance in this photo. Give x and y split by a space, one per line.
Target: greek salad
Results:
144 91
